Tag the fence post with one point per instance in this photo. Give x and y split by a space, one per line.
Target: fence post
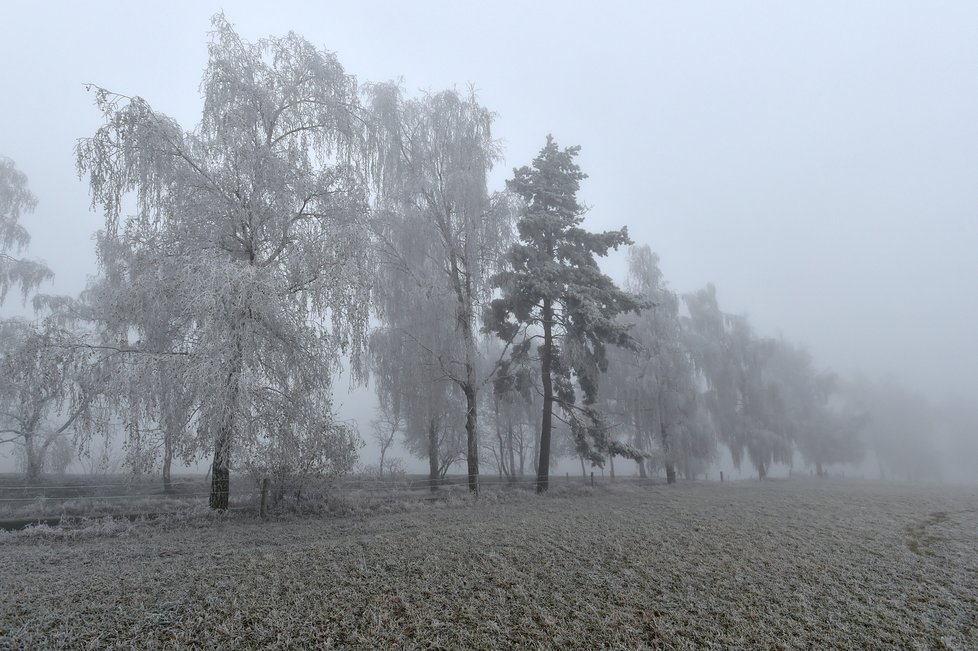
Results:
592 479
567 475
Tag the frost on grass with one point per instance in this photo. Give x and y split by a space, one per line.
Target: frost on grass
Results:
774 565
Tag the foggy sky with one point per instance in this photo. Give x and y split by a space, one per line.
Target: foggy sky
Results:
818 162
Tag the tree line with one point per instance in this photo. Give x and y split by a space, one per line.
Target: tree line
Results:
309 222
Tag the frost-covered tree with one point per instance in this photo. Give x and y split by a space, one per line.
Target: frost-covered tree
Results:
16 199
515 421
816 417
131 313
443 233
553 290
900 428
45 381
254 221
654 389
43 375
412 388
744 402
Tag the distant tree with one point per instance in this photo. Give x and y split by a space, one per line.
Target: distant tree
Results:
385 430
16 199
553 286
900 428
152 388
745 405
816 417
255 221
654 389
44 384
433 155
43 390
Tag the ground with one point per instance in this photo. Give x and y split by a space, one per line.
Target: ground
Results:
739 565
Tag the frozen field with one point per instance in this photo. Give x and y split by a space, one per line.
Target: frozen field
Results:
778 565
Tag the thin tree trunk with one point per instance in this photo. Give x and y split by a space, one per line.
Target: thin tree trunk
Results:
168 439
611 462
512 455
167 462
543 472
471 432
433 454
670 468
499 439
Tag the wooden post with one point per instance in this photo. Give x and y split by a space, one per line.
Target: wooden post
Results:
592 479
264 497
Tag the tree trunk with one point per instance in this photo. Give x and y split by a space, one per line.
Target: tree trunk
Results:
33 459
670 473
433 454
546 353
471 433
512 454
667 458
221 466
641 469
499 439
761 471
167 462
611 463
818 469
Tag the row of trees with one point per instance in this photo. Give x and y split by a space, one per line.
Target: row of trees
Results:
241 263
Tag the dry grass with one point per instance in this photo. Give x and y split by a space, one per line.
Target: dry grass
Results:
779 565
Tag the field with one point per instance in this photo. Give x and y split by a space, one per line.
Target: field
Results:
740 565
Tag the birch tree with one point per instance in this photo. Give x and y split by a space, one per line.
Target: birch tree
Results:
445 234
254 221
745 401
411 386
553 290
821 422
16 200
45 380
654 389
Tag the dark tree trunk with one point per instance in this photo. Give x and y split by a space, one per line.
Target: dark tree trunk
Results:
611 464
512 454
471 432
501 458
167 462
546 352
221 466
34 459
670 468
433 454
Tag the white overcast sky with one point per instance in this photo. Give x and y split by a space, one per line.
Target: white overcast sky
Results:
817 161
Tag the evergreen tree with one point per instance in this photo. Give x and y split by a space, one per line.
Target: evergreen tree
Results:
553 290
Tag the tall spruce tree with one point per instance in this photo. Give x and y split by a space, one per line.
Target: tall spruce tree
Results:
553 290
